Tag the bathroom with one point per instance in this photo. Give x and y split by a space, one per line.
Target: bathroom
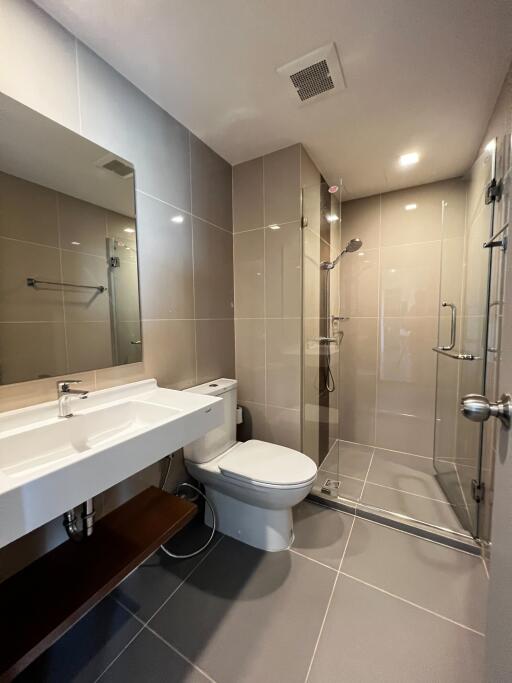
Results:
254 341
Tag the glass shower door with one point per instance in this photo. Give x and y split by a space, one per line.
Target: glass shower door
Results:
462 342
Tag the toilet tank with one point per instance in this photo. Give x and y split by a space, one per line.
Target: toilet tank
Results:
221 438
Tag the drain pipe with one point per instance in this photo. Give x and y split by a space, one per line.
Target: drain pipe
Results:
70 523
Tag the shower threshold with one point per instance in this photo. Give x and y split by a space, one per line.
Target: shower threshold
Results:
396 489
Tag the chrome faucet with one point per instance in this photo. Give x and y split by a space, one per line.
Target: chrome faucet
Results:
64 394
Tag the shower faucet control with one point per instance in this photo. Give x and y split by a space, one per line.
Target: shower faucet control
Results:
478 408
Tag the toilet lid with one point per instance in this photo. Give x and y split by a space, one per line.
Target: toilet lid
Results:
267 463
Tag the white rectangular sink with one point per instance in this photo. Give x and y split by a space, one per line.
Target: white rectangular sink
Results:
50 464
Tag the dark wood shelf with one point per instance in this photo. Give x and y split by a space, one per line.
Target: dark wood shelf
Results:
40 603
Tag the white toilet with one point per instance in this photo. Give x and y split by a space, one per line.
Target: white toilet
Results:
253 485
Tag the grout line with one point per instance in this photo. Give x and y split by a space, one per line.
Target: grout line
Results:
265 328
338 574
366 477
389 450
312 559
409 493
180 654
193 254
185 579
178 208
379 318
144 624
413 604
119 654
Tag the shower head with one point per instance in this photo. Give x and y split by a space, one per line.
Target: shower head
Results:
353 245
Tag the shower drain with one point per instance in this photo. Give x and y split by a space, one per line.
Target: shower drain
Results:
331 487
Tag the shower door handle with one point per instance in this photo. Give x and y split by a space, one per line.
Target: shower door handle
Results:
478 408
453 325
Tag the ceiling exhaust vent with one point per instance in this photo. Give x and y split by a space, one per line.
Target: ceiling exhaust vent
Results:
316 74
116 165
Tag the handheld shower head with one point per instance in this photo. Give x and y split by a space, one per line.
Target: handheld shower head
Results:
353 245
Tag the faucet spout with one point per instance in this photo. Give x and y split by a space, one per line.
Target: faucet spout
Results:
64 394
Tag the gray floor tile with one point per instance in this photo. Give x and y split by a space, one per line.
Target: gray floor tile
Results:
146 589
149 660
422 509
369 636
410 473
350 488
350 459
320 533
441 579
245 615
87 649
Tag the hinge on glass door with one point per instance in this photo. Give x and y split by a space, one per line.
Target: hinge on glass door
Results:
304 222
115 262
494 191
477 491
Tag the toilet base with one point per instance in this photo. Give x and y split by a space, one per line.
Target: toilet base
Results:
270 530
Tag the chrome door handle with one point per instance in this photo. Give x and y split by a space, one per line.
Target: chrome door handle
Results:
478 408
453 325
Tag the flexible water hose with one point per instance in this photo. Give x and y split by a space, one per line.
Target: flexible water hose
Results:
210 506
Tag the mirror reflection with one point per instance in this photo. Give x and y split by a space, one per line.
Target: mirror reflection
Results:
69 295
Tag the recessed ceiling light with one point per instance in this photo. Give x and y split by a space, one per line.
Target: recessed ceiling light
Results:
411 207
75 244
274 227
331 217
130 230
177 219
409 159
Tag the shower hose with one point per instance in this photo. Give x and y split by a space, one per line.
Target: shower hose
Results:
180 486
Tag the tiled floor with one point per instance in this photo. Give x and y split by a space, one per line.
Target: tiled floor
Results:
353 601
388 480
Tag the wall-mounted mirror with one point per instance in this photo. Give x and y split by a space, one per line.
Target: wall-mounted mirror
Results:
69 295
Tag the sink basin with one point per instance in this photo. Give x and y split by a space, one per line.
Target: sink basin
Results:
50 464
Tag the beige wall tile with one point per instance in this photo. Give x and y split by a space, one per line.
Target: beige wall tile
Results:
406 385
283 362
358 377
255 422
283 426
82 305
248 195
14 396
359 282
165 261
18 261
89 345
250 359
28 211
31 350
215 349
169 352
213 272
281 172
424 223
211 185
312 275
410 279
82 226
249 260
361 218
283 271
121 374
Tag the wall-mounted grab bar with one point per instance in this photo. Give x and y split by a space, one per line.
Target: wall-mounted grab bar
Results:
32 282
457 356
453 325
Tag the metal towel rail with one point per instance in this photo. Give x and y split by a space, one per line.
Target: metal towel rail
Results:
457 356
32 282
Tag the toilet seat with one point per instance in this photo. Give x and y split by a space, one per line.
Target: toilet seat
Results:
268 465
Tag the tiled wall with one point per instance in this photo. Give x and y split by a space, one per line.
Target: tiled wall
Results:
185 269
266 192
51 236
390 291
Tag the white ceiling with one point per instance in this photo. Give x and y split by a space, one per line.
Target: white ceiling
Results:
421 75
